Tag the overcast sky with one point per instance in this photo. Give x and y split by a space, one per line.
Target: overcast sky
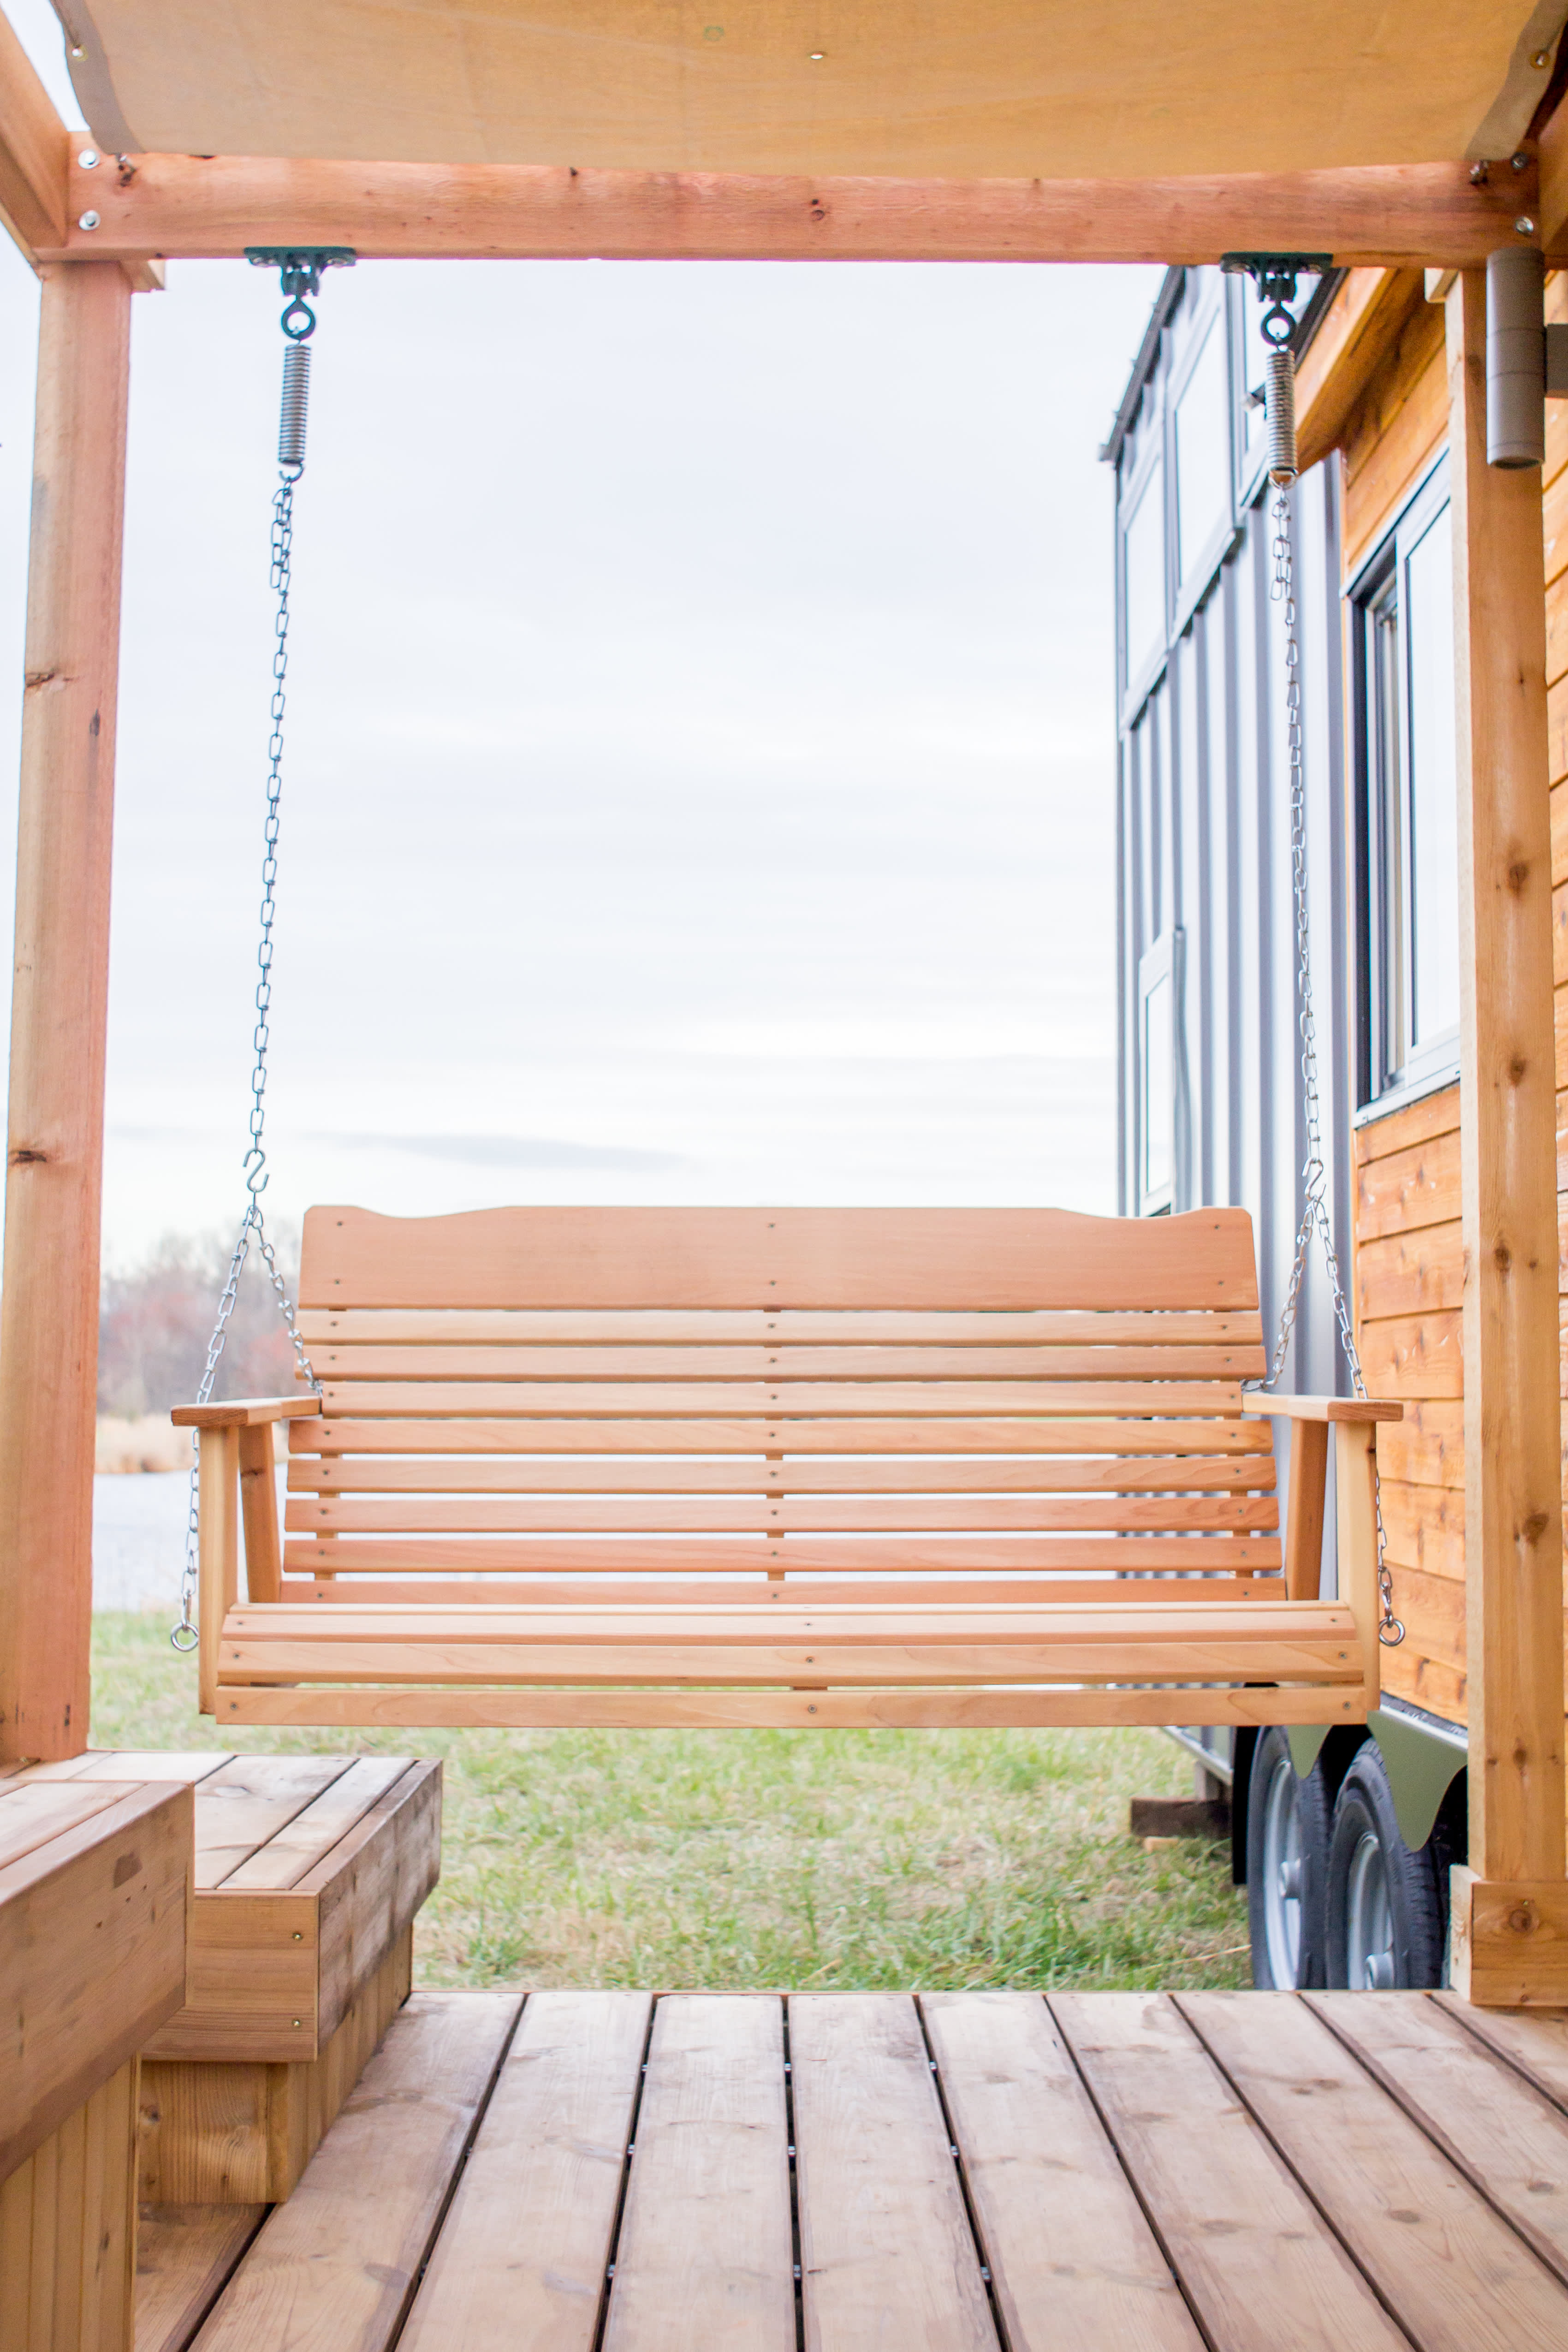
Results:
700 741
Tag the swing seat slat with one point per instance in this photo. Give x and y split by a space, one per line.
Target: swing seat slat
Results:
879 1466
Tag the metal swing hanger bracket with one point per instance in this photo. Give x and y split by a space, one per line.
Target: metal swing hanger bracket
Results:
1275 275
299 268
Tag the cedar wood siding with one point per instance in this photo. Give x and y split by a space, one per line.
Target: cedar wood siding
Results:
1409 1269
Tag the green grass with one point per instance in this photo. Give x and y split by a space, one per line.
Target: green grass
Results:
733 1860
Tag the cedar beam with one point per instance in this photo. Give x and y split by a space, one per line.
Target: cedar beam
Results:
49 1307
1513 1439
1363 321
35 151
1398 216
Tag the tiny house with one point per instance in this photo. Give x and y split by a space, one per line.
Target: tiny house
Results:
1210 992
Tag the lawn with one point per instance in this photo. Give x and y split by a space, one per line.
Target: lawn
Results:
733 1860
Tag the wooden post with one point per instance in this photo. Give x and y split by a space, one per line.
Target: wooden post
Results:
48 1313
1511 1907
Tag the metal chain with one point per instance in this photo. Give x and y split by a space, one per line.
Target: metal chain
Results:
1315 1217
252 1225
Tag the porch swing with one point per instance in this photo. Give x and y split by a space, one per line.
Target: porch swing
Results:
650 1466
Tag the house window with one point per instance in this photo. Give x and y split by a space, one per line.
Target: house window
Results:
1160 1105
1143 559
1203 458
1409 809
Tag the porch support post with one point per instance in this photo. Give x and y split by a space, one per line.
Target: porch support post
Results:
1510 1905
49 1309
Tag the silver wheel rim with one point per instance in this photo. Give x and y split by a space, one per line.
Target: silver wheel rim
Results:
1369 1918
1282 1870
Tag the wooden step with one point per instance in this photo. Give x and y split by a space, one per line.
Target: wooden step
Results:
310 1870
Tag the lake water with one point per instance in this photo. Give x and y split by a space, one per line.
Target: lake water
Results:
139 1540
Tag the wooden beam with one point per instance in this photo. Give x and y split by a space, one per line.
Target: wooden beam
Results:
1512 1507
1551 196
1363 320
48 1308
35 152
178 206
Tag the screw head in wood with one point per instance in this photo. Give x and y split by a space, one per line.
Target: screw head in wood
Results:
1524 226
88 220
88 159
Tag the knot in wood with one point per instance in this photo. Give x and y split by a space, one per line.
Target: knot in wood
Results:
1535 1527
1518 874
1502 1256
1521 1918
1517 1068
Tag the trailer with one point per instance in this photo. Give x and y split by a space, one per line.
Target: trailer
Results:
1345 1837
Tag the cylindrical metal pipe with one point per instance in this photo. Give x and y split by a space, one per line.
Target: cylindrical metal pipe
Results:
1279 412
1516 358
296 404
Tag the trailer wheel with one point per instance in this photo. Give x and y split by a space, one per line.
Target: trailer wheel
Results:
1384 1904
1287 1854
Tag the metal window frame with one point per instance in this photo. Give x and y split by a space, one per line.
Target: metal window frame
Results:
1191 580
1163 960
1382 1083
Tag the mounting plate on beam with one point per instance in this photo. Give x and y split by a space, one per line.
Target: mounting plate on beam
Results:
300 265
1275 276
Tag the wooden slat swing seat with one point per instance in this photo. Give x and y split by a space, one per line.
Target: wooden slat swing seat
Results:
786 1467
798 1466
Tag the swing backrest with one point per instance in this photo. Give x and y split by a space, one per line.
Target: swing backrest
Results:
975 1402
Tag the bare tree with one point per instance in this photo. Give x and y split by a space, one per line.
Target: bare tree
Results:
154 1323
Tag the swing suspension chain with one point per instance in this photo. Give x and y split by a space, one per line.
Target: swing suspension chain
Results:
252 1227
1315 1215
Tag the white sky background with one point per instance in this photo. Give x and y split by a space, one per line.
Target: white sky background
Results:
701 740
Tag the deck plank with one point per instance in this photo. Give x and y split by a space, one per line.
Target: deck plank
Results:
519 2263
185 2256
1072 2259
191 1764
1493 2123
33 1812
887 2255
706 2253
1261 2270
1459 2277
250 1799
1536 2043
287 1858
332 2270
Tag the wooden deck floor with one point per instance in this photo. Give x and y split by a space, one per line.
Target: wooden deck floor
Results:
1249 2172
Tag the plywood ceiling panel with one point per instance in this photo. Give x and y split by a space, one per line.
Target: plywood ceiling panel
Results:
1054 89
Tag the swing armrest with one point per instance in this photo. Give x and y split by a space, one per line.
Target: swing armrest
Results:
1266 1405
236 1487
244 1412
1353 1420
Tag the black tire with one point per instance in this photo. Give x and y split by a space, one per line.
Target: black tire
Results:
1287 1833
1385 1923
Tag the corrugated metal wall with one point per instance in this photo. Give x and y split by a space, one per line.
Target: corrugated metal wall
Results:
1205 847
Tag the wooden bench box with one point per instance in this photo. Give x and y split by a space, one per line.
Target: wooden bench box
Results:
95 1903
309 1870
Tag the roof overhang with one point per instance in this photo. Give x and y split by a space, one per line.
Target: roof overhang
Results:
894 89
